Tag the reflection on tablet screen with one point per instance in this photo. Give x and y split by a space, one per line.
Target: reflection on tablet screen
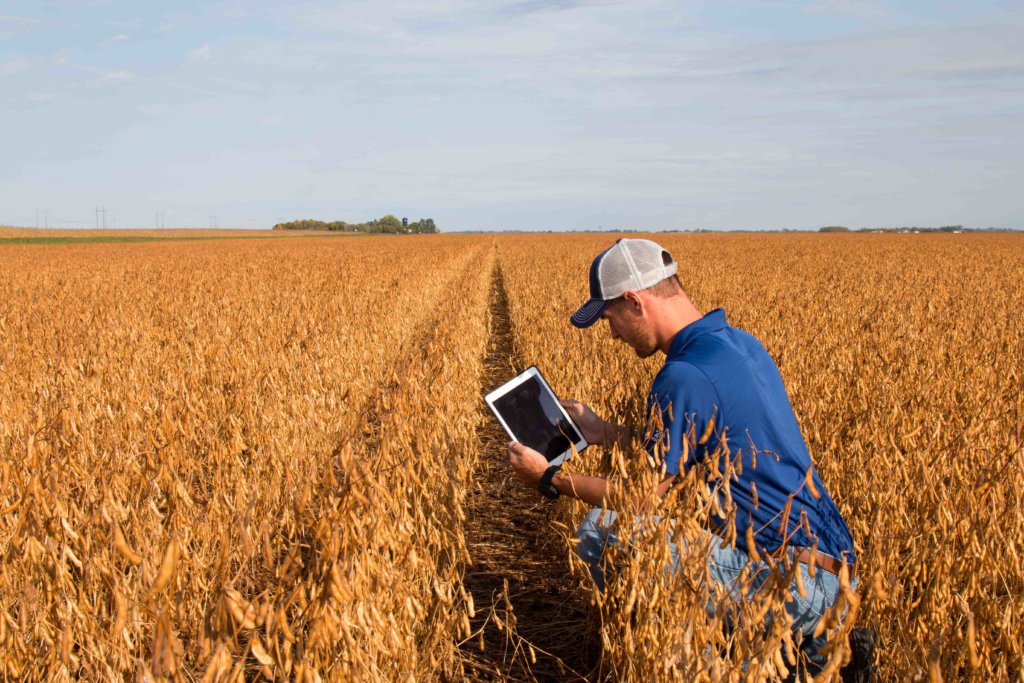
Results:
534 417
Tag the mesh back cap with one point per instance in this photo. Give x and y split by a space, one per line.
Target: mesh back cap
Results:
628 265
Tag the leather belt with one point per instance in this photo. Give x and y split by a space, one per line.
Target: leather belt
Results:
830 564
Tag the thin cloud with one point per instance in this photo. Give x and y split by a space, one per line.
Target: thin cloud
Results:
858 8
42 96
103 77
240 86
10 25
10 68
200 54
110 78
535 6
114 40
981 70
527 7
672 73
194 89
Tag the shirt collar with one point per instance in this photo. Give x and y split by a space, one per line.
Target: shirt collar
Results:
712 321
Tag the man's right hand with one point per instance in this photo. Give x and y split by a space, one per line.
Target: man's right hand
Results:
595 430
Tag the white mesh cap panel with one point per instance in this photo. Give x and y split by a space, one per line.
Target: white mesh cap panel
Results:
647 258
616 277
633 264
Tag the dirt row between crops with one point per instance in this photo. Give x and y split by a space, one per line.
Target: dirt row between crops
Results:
532 622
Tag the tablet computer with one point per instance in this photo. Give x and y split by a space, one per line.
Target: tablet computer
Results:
530 412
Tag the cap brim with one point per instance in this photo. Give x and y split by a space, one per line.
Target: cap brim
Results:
589 313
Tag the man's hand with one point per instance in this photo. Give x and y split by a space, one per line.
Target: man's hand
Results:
595 430
527 463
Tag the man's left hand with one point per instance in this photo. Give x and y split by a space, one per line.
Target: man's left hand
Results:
527 463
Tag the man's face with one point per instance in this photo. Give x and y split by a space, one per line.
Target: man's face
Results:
625 323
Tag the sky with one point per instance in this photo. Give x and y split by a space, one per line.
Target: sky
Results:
521 114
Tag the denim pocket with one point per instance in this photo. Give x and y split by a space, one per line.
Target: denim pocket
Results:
822 591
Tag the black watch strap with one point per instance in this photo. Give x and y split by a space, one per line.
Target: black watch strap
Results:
546 487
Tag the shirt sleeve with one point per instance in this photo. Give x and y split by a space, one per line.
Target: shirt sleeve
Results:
681 402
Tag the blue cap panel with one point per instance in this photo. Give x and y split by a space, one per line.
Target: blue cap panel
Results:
596 291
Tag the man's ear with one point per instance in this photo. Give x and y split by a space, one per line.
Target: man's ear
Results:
634 302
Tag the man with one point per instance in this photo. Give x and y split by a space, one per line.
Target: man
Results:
720 383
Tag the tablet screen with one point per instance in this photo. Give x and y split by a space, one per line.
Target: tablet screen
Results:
536 419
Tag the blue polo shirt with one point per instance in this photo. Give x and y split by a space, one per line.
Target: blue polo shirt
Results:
716 371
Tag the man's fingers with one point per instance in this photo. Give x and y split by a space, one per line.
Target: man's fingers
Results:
518 450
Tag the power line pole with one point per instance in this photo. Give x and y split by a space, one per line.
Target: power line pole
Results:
104 212
97 218
46 218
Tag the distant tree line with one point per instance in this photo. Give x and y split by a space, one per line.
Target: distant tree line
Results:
944 228
388 224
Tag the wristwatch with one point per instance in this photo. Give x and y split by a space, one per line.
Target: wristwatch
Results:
548 489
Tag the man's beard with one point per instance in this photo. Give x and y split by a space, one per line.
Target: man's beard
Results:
634 335
645 351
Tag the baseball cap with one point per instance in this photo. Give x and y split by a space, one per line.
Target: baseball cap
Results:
627 265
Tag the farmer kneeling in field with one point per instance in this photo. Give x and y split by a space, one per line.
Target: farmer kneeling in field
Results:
716 380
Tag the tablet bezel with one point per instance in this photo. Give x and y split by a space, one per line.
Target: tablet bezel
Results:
534 371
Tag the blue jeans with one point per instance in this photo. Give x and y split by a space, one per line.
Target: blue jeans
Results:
725 565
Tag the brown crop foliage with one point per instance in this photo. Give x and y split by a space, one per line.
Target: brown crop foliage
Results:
221 458
7 231
245 459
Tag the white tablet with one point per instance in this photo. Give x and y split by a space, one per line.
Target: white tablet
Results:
530 412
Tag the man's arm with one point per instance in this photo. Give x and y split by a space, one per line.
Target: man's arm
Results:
618 435
596 430
529 465
594 490
591 490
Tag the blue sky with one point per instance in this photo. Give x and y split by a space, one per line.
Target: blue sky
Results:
514 114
